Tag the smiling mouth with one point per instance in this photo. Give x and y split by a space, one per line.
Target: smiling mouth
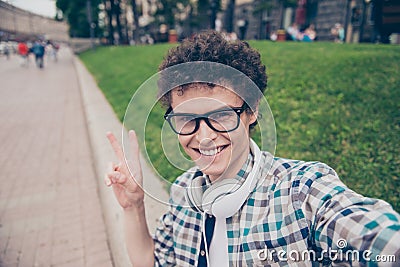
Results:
210 152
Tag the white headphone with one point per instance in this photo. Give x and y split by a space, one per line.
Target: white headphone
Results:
225 197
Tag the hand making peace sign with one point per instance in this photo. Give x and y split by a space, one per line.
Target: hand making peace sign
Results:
126 176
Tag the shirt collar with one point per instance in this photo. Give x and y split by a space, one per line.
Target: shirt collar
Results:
246 169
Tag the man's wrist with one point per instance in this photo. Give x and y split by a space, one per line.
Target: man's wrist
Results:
137 207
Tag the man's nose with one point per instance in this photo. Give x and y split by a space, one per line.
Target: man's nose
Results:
205 132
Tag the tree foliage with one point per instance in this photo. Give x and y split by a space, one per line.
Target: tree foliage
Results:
76 13
229 15
168 9
289 3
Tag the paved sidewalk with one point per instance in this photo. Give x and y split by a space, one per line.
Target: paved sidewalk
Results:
50 212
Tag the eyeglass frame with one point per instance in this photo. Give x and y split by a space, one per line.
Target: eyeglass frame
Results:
198 117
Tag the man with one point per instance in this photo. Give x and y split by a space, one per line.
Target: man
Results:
23 50
293 31
241 206
38 50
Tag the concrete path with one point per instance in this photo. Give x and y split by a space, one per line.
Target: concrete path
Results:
50 209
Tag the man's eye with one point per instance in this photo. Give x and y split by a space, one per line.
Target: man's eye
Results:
183 119
223 115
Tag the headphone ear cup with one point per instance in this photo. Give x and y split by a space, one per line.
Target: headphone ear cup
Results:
217 190
194 193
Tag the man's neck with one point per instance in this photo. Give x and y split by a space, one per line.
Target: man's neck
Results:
232 170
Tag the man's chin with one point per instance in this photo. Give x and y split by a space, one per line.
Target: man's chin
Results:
213 173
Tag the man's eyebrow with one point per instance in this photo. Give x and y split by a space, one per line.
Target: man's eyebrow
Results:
218 109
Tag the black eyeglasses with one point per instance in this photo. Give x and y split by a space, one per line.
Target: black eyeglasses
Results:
221 120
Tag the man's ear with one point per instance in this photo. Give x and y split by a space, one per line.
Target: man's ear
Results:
254 113
253 116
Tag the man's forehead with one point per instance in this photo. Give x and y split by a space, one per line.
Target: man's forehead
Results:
203 92
204 99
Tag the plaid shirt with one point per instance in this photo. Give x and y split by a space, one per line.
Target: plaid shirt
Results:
296 207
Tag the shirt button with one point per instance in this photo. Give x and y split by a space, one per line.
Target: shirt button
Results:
202 253
210 216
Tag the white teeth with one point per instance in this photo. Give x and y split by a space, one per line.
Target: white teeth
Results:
211 152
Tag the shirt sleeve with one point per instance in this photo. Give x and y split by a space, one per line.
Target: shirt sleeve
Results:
164 254
365 231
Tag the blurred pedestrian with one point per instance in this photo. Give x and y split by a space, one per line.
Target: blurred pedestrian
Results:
337 32
310 34
293 31
38 50
6 51
23 51
218 24
242 25
51 50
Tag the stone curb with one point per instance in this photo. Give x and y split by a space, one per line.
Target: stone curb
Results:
100 118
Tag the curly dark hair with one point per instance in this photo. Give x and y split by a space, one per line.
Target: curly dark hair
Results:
212 46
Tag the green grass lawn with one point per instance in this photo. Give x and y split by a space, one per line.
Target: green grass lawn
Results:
339 104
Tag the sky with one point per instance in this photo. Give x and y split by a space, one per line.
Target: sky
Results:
42 7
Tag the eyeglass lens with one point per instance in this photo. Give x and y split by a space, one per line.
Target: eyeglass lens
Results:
224 121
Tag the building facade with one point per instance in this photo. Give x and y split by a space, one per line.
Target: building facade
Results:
362 20
16 23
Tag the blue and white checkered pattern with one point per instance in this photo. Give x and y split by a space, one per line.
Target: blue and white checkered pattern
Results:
296 207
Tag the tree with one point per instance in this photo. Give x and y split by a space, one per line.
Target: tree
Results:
75 12
188 15
229 16
165 14
261 9
117 12
262 6
203 7
215 6
135 21
109 10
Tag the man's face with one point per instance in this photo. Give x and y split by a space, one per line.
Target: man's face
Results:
217 154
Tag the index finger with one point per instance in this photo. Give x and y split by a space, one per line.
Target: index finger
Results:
116 147
134 147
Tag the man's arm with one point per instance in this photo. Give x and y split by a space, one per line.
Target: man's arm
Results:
341 219
139 243
126 180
